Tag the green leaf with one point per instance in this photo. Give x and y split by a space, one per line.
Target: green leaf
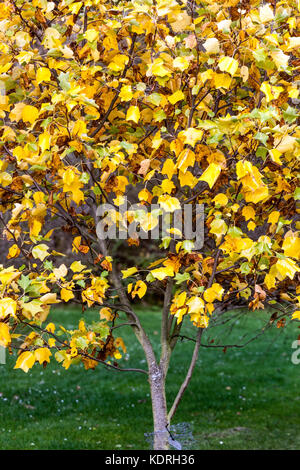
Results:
182 277
24 282
64 81
297 194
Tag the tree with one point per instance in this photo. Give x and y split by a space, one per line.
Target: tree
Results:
176 103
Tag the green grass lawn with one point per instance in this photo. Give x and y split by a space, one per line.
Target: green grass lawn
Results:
245 399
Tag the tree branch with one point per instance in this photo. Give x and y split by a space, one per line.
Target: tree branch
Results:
188 376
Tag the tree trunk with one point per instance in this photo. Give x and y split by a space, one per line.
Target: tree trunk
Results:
159 408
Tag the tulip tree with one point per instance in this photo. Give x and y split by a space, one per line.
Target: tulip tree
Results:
178 102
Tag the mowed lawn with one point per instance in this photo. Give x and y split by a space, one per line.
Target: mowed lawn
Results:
242 399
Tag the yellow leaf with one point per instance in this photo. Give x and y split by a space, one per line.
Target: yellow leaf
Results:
168 203
77 266
161 273
291 246
186 158
221 199
118 63
222 80
196 305
79 128
91 35
140 289
42 355
49 298
296 315
257 195
5 338
211 174
180 63
76 244
275 155
251 226
168 168
177 96
43 75
229 65
244 73
50 327
106 314
133 114
13 252
218 227
66 294
25 361
119 343
44 141
287 268
214 292
51 38
271 92
273 217
167 186
5 179
284 143
270 281
8 306
190 136
187 179
128 272
60 272
40 252
157 69
30 114
281 60
248 213
126 93
294 43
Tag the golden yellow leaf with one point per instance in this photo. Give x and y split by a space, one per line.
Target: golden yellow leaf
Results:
126 93
133 114
229 65
168 168
13 251
221 199
8 306
91 35
5 338
161 273
248 213
140 289
25 361
30 114
291 245
43 75
169 203
177 96
66 294
273 217
214 292
42 355
181 63
128 272
211 174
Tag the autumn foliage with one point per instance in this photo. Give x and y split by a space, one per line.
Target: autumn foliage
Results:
179 102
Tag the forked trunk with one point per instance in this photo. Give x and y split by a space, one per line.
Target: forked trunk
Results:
159 408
